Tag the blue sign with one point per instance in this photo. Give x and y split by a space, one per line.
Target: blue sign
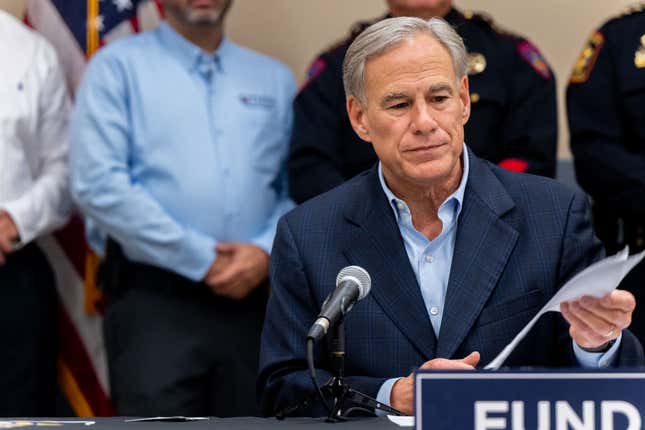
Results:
530 400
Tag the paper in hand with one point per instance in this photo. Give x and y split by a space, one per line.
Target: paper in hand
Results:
598 280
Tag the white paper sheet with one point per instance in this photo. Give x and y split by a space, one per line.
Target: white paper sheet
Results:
597 280
402 421
174 418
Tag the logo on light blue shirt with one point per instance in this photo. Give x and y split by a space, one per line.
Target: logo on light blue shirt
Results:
257 100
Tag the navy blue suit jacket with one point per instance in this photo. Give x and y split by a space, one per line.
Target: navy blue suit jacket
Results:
520 237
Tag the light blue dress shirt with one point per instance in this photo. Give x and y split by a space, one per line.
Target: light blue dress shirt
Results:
174 150
431 261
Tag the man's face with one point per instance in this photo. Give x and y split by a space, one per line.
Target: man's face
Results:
197 12
415 113
419 8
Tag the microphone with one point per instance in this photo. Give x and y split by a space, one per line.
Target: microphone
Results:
353 283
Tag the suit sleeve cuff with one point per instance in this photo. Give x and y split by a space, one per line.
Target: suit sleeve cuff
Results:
594 360
383 395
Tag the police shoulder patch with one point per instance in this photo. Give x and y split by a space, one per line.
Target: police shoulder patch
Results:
316 68
587 59
531 54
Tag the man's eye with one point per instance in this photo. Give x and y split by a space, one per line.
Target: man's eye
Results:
399 106
439 99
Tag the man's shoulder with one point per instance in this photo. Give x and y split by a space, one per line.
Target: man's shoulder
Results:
331 57
505 44
629 14
265 63
535 189
252 69
126 49
625 21
345 196
34 48
337 49
12 30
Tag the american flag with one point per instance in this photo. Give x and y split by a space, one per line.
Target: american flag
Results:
77 28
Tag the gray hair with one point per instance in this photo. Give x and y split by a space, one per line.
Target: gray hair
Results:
385 35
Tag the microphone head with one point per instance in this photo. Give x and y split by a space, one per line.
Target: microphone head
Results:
359 276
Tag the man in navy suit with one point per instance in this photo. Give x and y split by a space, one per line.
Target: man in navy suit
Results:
461 253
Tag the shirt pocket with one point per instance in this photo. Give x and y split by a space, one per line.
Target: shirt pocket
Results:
266 141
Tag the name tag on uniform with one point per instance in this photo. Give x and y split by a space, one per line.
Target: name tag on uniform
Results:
519 400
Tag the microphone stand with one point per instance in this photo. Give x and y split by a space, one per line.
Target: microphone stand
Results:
338 390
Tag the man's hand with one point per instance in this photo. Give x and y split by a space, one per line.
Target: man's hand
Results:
594 322
402 394
237 270
8 236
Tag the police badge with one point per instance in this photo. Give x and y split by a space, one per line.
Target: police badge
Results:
639 56
476 63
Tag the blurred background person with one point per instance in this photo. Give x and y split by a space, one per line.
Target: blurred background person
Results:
512 89
178 143
606 109
34 199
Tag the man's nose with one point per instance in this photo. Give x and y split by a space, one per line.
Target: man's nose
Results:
423 120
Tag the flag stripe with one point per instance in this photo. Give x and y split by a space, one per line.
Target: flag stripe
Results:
44 16
71 390
71 239
87 327
75 357
77 29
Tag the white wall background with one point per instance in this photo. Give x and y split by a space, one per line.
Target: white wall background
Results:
296 30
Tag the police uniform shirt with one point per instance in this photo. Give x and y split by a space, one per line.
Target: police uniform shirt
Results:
513 121
606 108
33 125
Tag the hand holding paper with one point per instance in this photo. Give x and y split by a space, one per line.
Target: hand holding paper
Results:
597 280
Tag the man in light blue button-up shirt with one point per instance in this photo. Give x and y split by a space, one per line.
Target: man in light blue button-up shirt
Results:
178 143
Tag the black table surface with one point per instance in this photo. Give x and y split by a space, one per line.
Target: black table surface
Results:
246 423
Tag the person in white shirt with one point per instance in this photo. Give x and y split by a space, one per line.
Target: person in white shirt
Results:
34 200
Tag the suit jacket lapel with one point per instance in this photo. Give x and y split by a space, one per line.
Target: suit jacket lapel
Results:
376 245
483 245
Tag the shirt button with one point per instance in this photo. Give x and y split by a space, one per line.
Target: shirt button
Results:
400 205
434 311
429 258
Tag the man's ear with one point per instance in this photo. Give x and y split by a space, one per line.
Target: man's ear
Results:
464 96
358 117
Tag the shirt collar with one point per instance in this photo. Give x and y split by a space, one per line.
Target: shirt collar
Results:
190 55
457 196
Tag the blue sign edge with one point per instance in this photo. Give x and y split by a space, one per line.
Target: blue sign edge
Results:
537 373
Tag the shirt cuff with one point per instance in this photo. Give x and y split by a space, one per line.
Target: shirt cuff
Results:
264 240
196 257
383 395
19 213
597 359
